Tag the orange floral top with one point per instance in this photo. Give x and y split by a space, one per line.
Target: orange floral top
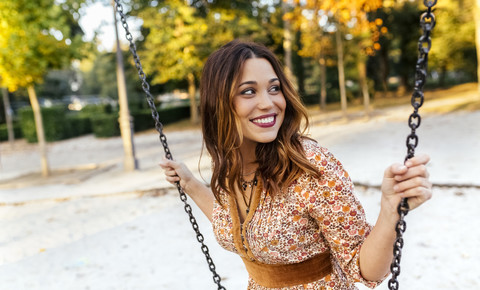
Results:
311 217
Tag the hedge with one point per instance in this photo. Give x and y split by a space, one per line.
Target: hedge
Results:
105 125
17 132
55 124
100 119
143 119
175 114
80 124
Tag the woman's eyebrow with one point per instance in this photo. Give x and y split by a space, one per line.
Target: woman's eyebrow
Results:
254 82
248 83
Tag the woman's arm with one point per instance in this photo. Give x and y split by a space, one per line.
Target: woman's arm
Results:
410 181
197 190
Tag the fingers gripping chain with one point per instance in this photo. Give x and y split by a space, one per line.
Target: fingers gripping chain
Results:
163 140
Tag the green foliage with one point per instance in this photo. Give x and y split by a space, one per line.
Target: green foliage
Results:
17 131
143 119
41 35
171 115
91 110
453 40
55 124
100 78
105 125
180 37
80 124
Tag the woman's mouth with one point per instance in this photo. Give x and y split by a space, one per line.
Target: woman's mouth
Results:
265 121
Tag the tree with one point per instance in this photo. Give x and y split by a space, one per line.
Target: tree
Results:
173 45
315 41
476 15
36 36
287 42
315 17
453 40
180 37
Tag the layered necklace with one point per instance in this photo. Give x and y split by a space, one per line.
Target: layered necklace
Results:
246 185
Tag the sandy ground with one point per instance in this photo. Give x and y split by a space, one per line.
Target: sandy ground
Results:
93 226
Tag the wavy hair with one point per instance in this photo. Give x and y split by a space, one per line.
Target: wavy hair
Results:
281 161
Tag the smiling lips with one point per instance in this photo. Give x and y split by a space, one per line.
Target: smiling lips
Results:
265 121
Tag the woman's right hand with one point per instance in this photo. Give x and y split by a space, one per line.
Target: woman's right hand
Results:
177 172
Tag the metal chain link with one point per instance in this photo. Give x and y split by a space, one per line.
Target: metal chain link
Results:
427 22
163 140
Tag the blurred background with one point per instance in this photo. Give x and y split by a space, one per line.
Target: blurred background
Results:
61 57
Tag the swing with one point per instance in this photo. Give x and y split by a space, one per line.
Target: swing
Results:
427 23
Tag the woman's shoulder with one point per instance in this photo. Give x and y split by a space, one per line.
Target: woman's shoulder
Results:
313 150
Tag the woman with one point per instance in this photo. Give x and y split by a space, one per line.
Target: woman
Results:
277 198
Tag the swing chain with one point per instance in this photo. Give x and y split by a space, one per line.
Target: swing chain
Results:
427 22
163 140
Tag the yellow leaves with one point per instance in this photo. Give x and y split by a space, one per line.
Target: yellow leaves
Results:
345 15
32 41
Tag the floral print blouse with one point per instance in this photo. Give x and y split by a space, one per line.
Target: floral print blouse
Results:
311 217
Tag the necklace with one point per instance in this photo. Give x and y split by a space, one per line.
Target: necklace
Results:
245 184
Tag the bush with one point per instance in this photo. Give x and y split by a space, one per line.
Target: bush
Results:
80 124
143 119
17 132
171 115
94 109
55 124
105 125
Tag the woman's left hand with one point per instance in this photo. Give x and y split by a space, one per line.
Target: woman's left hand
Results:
409 180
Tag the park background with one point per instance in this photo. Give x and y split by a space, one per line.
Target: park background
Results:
91 210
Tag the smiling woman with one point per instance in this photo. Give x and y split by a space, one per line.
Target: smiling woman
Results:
277 198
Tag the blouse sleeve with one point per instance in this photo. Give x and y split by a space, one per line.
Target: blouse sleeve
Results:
339 214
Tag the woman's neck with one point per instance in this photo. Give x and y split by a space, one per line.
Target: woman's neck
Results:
249 164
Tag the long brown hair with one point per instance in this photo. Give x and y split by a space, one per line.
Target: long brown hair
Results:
280 161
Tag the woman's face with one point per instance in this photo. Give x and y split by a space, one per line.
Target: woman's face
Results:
259 102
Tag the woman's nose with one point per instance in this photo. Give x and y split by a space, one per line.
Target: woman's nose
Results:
265 100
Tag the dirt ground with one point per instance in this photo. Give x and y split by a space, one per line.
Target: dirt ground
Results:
94 226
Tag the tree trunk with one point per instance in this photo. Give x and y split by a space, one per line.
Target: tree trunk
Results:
384 67
287 46
298 65
125 121
443 75
8 117
362 77
341 73
476 15
193 101
323 82
37 114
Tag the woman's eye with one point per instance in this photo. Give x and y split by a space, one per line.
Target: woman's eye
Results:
248 92
275 89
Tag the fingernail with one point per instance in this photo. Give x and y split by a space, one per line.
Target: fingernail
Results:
408 163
